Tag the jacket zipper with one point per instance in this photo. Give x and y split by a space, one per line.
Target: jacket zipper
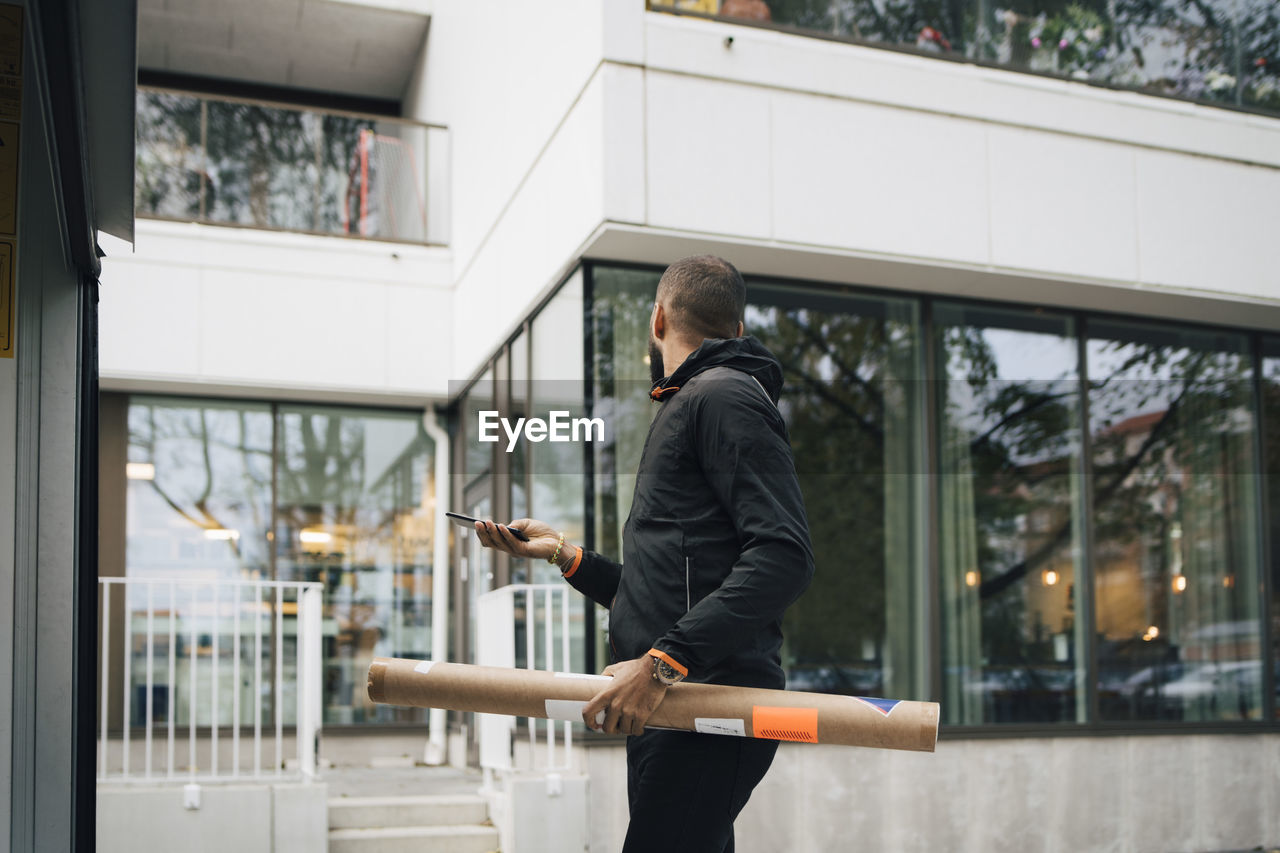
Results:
687 598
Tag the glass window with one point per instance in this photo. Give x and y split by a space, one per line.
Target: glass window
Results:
170 165
1271 451
1175 524
854 414
199 488
355 493
477 455
621 306
519 456
245 163
1124 559
557 470
1009 504
198 506
262 165
356 504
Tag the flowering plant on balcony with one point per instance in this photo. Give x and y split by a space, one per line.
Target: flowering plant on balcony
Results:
1075 42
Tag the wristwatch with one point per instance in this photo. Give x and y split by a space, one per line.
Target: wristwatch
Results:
664 673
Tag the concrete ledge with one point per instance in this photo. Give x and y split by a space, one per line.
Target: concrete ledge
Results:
246 818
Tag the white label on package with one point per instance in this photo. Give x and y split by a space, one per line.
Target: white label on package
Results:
720 726
424 666
569 710
584 675
565 709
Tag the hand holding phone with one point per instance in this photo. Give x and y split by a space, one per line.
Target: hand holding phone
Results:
470 523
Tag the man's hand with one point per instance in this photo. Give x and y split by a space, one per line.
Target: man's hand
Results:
628 701
542 538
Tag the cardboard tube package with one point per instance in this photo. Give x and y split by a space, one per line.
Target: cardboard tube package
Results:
707 708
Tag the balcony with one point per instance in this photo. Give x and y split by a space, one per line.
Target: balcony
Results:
1218 52
251 164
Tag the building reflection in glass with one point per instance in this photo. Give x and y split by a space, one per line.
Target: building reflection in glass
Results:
1175 524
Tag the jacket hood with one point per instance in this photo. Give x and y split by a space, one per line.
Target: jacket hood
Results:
745 354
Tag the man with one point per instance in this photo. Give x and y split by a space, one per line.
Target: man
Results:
715 549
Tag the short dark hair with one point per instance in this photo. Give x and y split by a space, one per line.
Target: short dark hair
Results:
705 295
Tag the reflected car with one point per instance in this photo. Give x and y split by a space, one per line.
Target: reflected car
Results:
835 678
1218 690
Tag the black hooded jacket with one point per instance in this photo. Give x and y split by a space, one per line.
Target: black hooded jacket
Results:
717 544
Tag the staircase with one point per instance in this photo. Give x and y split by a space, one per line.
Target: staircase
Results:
410 810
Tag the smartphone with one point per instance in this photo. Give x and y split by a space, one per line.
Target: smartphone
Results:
470 523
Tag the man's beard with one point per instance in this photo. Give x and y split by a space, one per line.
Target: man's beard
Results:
656 370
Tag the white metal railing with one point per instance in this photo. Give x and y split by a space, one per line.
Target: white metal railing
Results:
200 614
545 609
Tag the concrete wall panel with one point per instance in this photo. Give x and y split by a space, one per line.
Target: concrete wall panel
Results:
708 156
983 172
536 238
1056 795
760 57
150 318
1208 225
203 307
1062 205
877 179
246 818
502 75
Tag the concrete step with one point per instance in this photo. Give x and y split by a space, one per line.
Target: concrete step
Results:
415 839
406 810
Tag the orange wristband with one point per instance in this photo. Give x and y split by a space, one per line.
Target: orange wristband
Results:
680 668
573 567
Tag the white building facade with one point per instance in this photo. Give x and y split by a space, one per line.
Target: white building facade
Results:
1030 326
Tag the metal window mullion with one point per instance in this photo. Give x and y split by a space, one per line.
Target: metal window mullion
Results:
933 514
589 520
1086 588
1262 502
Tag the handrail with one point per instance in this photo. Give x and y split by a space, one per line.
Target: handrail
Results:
546 607
200 613
285 105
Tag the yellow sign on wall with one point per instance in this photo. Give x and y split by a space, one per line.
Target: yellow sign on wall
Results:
8 177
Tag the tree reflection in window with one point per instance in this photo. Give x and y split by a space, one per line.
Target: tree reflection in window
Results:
853 412
1222 51
1009 516
1176 524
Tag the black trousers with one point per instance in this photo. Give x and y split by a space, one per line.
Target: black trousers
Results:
686 789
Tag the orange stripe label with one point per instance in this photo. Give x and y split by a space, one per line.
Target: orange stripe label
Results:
799 724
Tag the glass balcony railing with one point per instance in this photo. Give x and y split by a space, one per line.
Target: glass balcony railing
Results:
228 161
1223 52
